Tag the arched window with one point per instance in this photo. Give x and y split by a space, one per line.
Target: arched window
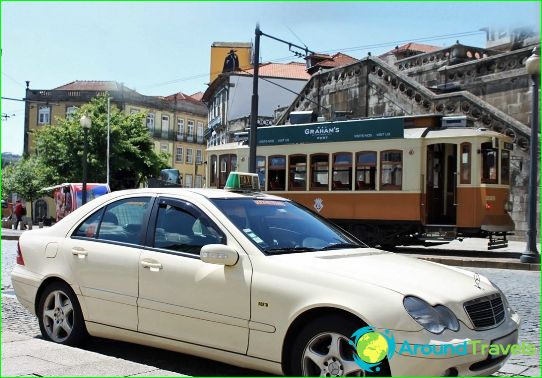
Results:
366 170
505 167
490 164
342 171
277 172
213 170
227 163
320 172
260 170
297 178
391 170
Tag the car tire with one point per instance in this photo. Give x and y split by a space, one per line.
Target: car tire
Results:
312 353
60 316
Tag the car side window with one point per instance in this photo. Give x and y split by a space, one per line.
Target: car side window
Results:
89 228
182 230
123 220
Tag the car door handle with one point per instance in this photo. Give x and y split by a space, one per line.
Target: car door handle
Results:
153 267
79 252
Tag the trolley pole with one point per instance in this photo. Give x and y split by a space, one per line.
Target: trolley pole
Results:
254 105
531 254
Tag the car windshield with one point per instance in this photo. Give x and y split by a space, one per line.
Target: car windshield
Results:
278 227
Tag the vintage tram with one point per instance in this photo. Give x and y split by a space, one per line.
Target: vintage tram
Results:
389 181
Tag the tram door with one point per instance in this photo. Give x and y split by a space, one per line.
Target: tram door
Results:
441 184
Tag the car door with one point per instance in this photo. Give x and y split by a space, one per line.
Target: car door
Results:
180 296
103 253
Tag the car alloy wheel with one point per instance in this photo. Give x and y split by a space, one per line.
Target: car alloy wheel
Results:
60 317
329 354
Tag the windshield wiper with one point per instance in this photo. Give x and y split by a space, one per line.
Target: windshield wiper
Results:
290 249
340 246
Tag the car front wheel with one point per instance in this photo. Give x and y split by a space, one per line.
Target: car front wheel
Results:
323 348
60 316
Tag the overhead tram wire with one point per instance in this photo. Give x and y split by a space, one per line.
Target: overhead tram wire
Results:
346 49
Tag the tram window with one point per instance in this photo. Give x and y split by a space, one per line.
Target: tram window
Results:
366 170
489 164
297 172
465 163
227 164
277 172
213 171
342 171
320 172
505 167
391 170
260 170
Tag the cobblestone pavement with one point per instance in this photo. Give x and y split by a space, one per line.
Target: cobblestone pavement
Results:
521 287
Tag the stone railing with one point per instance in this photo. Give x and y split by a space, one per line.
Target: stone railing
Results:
469 71
454 54
422 100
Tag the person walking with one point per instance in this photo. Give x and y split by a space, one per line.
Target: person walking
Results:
19 212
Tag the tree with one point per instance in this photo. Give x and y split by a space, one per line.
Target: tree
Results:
27 178
132 158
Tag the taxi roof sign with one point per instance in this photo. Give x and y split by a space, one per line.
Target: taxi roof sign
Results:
243 182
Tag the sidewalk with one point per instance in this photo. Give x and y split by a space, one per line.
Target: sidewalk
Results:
24 355
471 252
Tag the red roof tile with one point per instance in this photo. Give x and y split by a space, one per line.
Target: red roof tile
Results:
91 85
292 70
180 96
411 46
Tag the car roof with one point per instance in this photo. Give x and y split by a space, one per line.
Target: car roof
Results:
207 193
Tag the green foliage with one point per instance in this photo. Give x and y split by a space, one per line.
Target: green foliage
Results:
27 178
132 158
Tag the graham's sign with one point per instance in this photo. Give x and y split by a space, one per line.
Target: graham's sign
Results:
340 131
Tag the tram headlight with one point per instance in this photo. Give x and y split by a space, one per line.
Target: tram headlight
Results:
434 319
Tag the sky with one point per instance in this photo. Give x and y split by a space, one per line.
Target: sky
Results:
160 48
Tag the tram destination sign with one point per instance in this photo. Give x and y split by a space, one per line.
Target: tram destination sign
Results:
340 131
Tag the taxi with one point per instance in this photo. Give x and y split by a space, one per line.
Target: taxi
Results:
256 281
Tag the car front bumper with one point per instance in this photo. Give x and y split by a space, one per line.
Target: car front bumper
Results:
466 363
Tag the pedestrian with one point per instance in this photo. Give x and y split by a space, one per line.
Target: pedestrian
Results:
19 212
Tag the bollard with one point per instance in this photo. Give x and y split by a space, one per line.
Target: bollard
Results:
40 224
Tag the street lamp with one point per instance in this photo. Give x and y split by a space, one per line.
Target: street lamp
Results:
85 124
533 69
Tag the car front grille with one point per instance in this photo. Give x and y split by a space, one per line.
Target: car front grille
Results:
485 312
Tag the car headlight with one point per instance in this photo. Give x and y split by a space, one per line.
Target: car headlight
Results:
434 319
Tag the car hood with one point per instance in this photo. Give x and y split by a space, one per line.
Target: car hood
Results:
435 283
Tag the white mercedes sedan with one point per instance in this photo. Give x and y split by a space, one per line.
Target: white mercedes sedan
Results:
256 281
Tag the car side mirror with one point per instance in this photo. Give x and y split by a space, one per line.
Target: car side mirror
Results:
219 254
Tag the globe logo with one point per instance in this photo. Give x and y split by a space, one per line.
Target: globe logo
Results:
372 348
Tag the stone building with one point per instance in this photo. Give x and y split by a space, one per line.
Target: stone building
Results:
176 122
491 87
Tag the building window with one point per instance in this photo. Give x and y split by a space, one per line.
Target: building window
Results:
199 132
150 121
190 130
391 170
320 172
199 182
342 171
297 177
44 115
199 158
134 111
227 164
179 155
465 163
188 181
180 127
165 126
366 170
189 153
70 112
277 172
164 148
